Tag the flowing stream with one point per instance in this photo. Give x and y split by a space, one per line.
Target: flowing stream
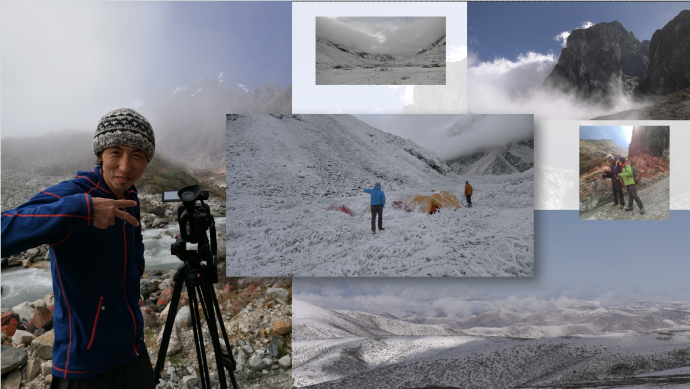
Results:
20 285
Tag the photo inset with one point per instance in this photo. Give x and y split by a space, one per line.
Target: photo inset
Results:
380 195
580 60
624 173
380 51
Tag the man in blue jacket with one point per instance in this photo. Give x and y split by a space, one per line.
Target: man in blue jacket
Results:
378 201
91 224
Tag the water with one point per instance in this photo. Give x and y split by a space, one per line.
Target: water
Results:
20 285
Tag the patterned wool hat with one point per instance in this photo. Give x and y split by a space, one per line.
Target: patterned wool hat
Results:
126 127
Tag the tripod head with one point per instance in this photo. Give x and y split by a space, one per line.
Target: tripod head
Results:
194 218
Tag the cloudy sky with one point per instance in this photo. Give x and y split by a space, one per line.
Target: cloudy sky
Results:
452 136
399 37
65 64
512 47
610 263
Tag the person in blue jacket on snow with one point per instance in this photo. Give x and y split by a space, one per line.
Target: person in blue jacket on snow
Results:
91 224
378 201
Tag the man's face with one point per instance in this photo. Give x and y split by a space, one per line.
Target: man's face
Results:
122 167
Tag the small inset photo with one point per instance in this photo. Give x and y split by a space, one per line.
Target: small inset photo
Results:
380 51
624 172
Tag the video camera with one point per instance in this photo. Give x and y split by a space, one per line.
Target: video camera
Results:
194 220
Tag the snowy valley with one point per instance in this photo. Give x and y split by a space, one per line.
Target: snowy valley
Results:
566 347
285 171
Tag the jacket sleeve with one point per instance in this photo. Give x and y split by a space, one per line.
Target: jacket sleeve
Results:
46 218
139 245
368 190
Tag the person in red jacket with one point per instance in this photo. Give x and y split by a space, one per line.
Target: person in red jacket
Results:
91 224
468 194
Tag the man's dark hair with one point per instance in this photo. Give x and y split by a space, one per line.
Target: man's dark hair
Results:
467 182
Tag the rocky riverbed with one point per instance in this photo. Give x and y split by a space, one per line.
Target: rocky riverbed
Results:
257 314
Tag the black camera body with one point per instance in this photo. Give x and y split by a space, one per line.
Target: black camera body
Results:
194 218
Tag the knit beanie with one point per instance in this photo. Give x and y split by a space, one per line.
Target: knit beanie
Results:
622 159
126 127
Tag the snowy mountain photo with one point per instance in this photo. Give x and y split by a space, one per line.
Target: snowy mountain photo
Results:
380 51
643 344
286 171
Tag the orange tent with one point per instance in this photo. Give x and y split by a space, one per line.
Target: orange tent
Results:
429 204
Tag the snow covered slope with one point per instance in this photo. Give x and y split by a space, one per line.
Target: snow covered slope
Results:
464 362
285 171
512 158
329 54
348 349
313 322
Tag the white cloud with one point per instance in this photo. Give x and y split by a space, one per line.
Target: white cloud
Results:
503 86
456 53
407 96
563 37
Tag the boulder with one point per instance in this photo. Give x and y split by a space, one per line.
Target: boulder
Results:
175 344
276 340
165 297
7 316
22 337
184 317
273 350
46 367
30 253
282 328
13 358
149 315
255 362
278 294
49 299
32 369
43 317
13 380
43 345
285 362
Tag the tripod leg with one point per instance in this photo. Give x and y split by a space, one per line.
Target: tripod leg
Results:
172 311
207 291
229 363
198 339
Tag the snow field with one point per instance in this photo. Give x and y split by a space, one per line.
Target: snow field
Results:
285 171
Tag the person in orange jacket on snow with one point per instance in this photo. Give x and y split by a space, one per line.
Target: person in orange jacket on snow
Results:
468 194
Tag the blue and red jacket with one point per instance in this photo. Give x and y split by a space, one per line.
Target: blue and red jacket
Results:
96 272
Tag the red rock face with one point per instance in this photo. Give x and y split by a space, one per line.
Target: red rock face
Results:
648 166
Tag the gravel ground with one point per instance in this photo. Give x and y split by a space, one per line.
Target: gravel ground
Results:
378 76
655 198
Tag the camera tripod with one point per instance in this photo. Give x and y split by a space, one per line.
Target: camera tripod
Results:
199 284
194 220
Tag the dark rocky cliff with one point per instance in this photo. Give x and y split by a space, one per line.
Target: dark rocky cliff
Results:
669 58
651 140
599 61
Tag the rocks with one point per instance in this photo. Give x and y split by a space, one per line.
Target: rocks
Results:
150 319
22 337
278 294
13 358
43 317
282 328
32 369
175 344
285 362
276 340
183 318
255 362
165 297
669 55
13 380
43 345
49 300
273 350
46 367
247 349
651 140
31 253
267 362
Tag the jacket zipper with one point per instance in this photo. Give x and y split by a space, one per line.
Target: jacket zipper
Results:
93 331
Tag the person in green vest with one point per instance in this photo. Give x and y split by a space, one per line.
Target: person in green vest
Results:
629 182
